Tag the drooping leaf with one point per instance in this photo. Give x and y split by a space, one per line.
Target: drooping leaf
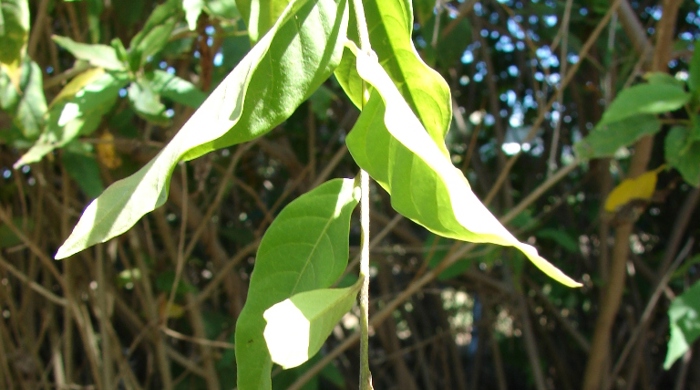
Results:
14 34
260 15
298 327
304 249
683 153
256 96
102 56
70 116
605 139
645 99
637 188
390 24
424 185
684 321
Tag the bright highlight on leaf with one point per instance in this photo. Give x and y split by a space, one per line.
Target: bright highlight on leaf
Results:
639 188
684 320
390 143
304 249
298 326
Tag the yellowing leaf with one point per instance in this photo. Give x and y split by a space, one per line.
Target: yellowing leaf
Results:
77 84
639 188
106 153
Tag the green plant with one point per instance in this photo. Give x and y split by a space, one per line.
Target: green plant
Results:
398 139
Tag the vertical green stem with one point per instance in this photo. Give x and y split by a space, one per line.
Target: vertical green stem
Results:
365 374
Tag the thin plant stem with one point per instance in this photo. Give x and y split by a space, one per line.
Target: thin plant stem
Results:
365 374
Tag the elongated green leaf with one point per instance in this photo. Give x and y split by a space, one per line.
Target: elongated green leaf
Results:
304 249
390 143
102 56
684 319
74 115
306 45
605 139
14 34
260 15
391 26
683 153
298 326
645 99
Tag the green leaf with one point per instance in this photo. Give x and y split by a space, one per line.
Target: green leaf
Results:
260 15
14 34
176 89
254 98
694 70
605 139
79 114
146 102
304 249
224 9
424 185
192 10
391 26
663 78
684 318
298 327
645 99
84 169
155 33
683 153
28 104
102 56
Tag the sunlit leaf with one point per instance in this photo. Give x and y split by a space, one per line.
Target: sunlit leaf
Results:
102 56
424 185
298 327
176 89
645 99
155 33
304 249
75 114
637 188
146 102
14 34
260 15
684 321
391 26
192 10
27 105
253 99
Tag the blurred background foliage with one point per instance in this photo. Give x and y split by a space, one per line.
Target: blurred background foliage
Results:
91 90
